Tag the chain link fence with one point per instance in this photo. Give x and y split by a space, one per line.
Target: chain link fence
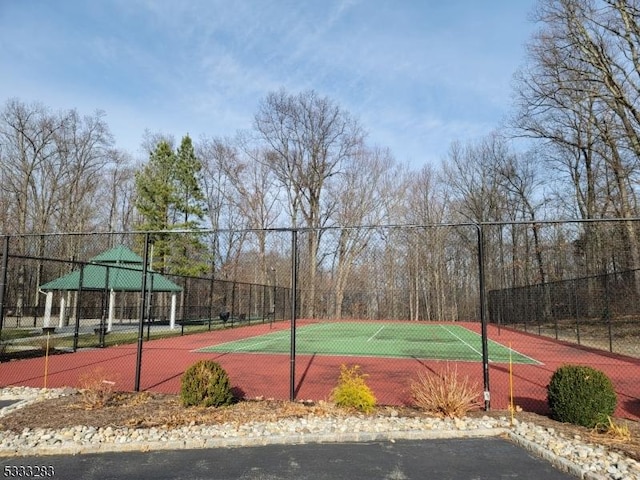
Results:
95 291
389 273
570 281
393 299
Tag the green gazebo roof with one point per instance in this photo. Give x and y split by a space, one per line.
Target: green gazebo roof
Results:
117 269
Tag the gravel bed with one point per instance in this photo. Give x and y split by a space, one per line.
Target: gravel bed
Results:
573 455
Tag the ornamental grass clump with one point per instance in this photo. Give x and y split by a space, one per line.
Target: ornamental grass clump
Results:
581 395
96 388
615 430
206 384
352 390
445 393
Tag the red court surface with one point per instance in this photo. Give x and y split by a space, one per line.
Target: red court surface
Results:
268 375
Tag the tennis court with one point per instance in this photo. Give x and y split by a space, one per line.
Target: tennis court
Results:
391 354
376 339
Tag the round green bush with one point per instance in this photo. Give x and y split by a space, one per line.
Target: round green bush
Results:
206 384
581 395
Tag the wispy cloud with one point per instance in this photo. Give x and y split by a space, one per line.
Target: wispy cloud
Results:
418 74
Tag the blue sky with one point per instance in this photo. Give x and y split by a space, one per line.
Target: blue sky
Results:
417 74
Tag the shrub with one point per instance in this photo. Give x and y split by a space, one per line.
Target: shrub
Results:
352 390
205 384
445 394
580 395
96 388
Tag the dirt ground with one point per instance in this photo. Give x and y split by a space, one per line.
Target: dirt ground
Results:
621 336
145 410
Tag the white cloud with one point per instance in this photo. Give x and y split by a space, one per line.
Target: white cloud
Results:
417 74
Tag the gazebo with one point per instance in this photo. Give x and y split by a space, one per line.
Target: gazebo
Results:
115 270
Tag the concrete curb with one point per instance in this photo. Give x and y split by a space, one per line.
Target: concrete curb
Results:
231 442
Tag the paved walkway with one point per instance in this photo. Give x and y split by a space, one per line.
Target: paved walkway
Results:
448 459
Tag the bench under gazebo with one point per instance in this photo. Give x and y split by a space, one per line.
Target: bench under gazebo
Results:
115 270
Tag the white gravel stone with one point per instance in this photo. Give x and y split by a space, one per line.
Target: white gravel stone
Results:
575 453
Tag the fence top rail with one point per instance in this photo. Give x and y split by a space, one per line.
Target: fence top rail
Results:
338 227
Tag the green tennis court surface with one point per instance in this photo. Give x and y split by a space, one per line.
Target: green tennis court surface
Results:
378 339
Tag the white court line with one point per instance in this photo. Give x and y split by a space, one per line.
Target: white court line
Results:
379 330
205 349
269 340
495 343
466 343
275 338
537 362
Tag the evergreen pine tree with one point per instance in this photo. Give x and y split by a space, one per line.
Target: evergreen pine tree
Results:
168 197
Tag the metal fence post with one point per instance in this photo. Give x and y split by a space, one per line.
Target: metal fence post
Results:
143 309
3 278
78 308
212 285
294 308
483 318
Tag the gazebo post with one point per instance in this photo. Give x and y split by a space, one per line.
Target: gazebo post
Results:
172 315
63 306
112 307
47 310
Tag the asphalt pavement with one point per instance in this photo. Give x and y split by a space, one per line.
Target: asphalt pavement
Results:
488 458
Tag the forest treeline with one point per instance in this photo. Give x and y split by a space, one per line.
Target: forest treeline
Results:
306 162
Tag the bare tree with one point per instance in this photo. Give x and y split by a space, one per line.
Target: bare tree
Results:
220 158
430 286
522 184
29 158
472 182
470 174
358 194
310 139
118 190
51 161
580 94
258 199
83 147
